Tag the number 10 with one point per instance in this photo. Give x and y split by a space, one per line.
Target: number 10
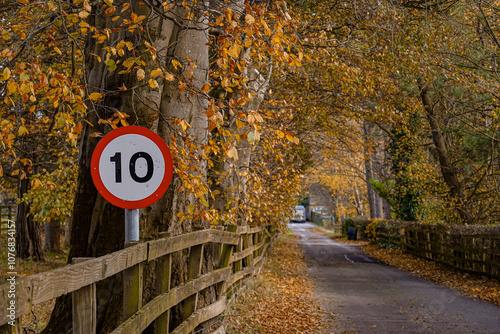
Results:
117 159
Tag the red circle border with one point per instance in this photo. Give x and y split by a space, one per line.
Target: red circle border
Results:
96 177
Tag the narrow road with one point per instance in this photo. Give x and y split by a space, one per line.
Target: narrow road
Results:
365 296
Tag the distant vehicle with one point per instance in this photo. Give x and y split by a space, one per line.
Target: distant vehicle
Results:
299 215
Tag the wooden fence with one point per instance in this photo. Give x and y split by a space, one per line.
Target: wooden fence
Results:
470 248
241 252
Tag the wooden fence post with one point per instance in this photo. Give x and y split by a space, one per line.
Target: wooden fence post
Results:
132 287
194 270
84 306
164 272
225 258
248 242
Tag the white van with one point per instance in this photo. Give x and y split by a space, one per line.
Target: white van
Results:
299 215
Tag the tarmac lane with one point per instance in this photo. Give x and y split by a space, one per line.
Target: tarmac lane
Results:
363 295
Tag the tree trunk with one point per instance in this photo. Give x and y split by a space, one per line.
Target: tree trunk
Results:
448 171
28 232
369 171
53 236
67 231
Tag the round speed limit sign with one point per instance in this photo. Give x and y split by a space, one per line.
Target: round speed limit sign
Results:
131 167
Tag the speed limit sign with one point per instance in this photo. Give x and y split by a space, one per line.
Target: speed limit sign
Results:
131 167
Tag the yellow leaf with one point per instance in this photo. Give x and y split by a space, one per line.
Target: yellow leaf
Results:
129 62
35 183
56 49
156 73
296 140
141 74
95 96
191 208
280 134
176 64
290 138
22 130
152 83
234 50
184 125
239 124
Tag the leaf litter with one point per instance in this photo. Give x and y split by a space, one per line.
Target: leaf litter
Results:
472 285
281 299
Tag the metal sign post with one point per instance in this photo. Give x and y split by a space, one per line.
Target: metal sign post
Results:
131 225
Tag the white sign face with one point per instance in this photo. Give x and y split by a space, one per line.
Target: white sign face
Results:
131 167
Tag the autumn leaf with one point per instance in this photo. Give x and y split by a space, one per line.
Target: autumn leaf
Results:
232 153
234 51
155 73
5 74
169 77
141 74
249 19
78 128
22 130
153 84
83 14
184 125
205 88
176 64
96 96
87 6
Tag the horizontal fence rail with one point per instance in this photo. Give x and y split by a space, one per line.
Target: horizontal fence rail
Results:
471 248
241 252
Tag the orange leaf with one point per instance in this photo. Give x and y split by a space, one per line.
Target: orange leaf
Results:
205 88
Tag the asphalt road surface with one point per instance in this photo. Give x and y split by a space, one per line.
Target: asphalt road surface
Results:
365 296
